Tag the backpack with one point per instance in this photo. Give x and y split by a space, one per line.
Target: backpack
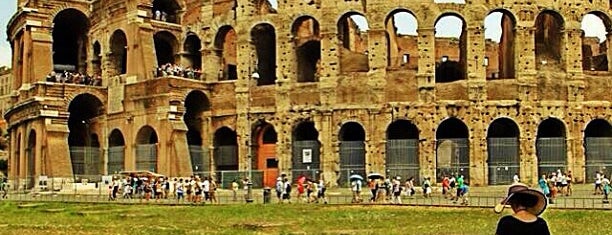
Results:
288 188
452 184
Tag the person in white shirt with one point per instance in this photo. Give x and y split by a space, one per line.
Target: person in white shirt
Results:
356 188
516 178
206 189
598 188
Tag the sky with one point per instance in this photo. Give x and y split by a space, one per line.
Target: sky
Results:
406 23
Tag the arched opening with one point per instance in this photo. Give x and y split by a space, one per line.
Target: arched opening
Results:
193 56
166 10
402 150
116 152
226 150
451 48
266 159
598 148
97 59
196 104
70 29
225 45
499 45
452 149
402 40
353 39
85 152
264 7
551 146
146 149
595 27
352 151
118 55
263 37
306 150
503 151
307 42
165 47
549 40
31 157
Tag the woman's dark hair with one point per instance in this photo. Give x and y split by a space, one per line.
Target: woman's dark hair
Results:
526 200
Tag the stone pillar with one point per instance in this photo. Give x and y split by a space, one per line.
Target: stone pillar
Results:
377 58
329 157
38 56
573 51
426 80
525 65
142 60
476 71
58 152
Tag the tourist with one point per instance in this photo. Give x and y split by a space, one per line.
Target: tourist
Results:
286 190
235 187
527 204
206 189
605 183
426 187
313 189
445 186
598 188
452 182
245 186
397 191
544 186
213 191
279 189
568 176
321 192
356 190
300 188
516 178
372 185
409 185
464 194
180 187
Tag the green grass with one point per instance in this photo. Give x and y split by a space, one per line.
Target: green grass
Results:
56 218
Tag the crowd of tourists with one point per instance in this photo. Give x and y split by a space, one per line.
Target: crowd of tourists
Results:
74 78
307 190
169 69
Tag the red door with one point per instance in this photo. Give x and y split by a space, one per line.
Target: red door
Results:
266 155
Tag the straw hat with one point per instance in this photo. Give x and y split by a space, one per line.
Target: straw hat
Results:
519 188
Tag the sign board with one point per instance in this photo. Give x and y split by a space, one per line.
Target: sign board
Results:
306 155
107 179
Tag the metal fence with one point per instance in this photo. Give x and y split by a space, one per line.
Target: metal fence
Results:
86 160
503 159
305 157
552 154
116 159
352 159
226 157
402 158
598 156
452 158
146 157
200 162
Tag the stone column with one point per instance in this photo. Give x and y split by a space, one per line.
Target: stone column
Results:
476 71
426 80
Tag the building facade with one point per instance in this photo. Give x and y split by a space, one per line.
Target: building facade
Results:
237 87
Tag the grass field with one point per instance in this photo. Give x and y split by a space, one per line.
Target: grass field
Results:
56 218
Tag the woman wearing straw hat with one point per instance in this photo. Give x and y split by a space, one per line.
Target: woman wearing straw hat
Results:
527 205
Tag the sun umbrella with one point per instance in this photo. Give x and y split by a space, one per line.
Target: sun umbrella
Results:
375 176
355 177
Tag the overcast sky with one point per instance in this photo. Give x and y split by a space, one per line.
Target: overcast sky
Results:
406 24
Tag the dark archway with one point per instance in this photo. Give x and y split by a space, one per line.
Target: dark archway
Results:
598 148
307 41
451 48
196 104
146 149
306 150
263 37
595 27
97 59
503 151
551 146
192 48
31 157
85 152
116 152
166 10
402 150
226 150
351 138
70 30
165 47
401 34
549 39
225 43
500 65
352 35
119 50
452 149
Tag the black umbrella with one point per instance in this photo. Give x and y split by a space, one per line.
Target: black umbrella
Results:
375 176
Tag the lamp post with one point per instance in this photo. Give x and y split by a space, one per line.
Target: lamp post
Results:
254 75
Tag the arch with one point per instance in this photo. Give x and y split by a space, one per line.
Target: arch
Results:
452 149
549 38
146 149
265 149
192 47
402 149
85 152
551 146
306 149
503 151
165 47
306 37
595 27
264 7
226 49
116 152
31 158
263 36
402 37
166 10
500 40
97 58
598 148
196 103
452 64
353 55
351 138
226 149
70 30
119 50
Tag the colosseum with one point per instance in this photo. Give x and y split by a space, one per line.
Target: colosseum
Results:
303 87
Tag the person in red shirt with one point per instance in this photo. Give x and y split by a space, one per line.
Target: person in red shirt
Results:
445 186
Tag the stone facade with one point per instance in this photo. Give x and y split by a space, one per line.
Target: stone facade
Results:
301 89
